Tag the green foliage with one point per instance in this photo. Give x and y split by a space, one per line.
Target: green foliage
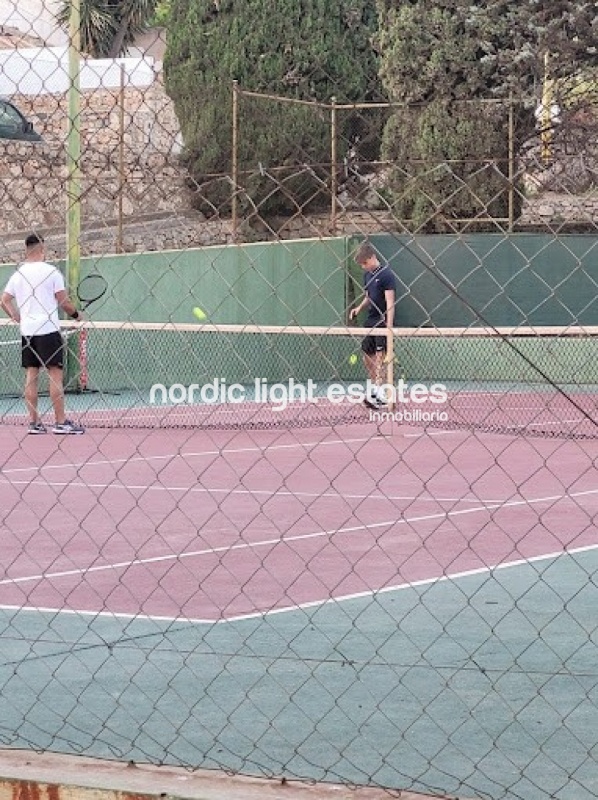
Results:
312 50
98 26
439 52
463 48
427 53
108 27
161 16
450 161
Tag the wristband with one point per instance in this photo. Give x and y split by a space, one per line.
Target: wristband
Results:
75 315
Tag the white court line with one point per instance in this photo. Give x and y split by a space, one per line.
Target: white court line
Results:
119 565
434 432
119 486
521 562
198 454
451 576
428 432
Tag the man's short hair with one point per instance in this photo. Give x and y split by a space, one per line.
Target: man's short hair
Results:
33 239
364 253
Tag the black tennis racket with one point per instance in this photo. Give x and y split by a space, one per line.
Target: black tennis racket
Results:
91 289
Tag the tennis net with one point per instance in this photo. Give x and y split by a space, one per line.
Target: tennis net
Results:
524 380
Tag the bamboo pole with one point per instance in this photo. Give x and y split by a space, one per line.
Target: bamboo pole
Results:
73 149
76 369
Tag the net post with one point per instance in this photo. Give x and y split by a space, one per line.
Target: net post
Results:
390 367
386 426
82 359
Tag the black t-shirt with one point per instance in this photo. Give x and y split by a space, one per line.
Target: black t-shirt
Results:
376 283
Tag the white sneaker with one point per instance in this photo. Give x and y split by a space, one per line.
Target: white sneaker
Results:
374 401
68 428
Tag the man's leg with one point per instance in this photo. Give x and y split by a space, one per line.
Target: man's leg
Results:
31 393
62 425
57 393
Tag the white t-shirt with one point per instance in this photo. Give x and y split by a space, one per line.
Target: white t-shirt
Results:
34 286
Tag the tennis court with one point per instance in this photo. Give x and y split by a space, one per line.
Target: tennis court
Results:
257 562
307 587
206 529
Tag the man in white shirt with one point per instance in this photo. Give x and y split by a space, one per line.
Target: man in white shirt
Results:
31 298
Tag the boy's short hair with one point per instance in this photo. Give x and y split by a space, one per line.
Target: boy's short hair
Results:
364 253
33 239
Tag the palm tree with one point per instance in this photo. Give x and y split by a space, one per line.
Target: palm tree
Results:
108 27
134 16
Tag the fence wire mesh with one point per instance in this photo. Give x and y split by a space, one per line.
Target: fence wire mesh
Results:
273 552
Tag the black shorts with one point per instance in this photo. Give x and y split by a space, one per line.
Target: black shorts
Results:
42 351
374 344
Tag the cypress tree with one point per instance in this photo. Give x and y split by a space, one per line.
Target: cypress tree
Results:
310 50
450 157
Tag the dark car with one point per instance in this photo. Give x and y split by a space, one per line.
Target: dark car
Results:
13 125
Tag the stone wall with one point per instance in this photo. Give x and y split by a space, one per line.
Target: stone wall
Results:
557 210
130 146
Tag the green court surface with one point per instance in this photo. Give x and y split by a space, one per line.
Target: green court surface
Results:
479 685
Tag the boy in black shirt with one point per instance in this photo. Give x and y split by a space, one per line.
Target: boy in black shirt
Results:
380 292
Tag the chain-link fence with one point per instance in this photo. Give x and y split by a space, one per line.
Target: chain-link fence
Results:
360 177
298 537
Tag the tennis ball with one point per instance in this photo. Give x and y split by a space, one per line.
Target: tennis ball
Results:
199 312
353 359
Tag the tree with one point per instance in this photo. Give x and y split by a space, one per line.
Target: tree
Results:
444 57
307 51
161 16
464 48
109 27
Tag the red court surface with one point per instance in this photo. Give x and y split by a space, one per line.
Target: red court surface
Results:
218 525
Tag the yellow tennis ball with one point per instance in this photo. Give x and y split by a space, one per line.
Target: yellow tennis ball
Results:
199 313
353 359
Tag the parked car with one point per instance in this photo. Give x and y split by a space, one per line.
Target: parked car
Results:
14 125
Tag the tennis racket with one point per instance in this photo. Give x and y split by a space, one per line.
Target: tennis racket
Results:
89 291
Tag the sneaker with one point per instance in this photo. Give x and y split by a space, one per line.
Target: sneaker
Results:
68 427
35 428
374 402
